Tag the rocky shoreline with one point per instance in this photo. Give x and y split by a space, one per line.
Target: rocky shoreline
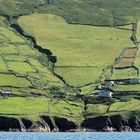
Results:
57 124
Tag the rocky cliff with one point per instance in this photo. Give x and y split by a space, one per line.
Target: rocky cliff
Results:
48 124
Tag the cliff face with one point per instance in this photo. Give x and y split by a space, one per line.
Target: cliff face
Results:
112 123
47 124
44 124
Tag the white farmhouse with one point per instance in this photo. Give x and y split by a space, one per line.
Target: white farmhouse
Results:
105 94
5 92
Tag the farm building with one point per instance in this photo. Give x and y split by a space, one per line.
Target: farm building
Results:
105 94
134 81
109 83
6 92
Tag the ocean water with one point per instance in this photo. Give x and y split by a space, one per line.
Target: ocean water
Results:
70 136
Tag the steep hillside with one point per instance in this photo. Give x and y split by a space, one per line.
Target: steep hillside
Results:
69 65
77 47
93 12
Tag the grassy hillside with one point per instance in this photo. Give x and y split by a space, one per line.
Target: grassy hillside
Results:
77 47
94 12
18 7
36 107
86 55
21 64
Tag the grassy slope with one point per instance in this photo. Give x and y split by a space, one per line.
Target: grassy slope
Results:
22 72
95 12
19 65
77 47
101 12
18 7
39 106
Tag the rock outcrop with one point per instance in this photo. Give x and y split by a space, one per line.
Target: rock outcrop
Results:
112 123
53 123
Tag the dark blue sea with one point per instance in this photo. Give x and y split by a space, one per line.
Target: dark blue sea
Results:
71 136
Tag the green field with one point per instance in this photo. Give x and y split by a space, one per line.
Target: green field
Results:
77 45
95 110
91 40
39 106
124 73
8 80
16 57
134 87
131 105
20 67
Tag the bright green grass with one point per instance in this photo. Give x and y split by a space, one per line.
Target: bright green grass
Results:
33 74
23 82
67 108
131 105
7 80
124 73
135 87
95 109
20 67
40 105
77 45
15 58
43 71
89 89
126 27
23 105
2 38
26 50
10 35
79 76
8 49
3 66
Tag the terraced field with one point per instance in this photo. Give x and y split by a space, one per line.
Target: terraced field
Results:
20 64
127 58
40 105
124 73
126 65
132 105
77 47
96 109
87 56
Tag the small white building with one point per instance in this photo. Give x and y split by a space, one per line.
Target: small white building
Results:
6 92
110 83
134 81
105 94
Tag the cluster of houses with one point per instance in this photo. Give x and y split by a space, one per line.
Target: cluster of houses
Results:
108 93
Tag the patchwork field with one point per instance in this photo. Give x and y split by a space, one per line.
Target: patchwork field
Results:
77 46
124 73
91 41
40 105
96 109
127 64
134 87
132 105
127 58
17 67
